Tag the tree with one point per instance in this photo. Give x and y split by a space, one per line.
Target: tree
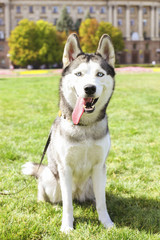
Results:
22 43
35 43
87 32
90 32
113 32
49 43
77 25
65 22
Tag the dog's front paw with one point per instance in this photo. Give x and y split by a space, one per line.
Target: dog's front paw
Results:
67 223
105 220
108 225
66 229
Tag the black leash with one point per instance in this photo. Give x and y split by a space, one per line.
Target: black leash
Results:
43 154
45 149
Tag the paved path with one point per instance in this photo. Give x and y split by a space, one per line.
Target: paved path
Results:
24 72
137 70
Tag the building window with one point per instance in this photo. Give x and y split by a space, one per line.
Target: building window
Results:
55 9
119 10
145 35
55 21
132 10
68 9
18 20
43 18
80 10
144 22
134 46
91 10
119 22
147 46
1 22
3 61
1 35
1 48
1 10
103 10
132 22
144 10
18 9
43 9
30 9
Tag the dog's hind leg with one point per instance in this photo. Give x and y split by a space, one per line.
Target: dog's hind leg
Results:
49 187
48 183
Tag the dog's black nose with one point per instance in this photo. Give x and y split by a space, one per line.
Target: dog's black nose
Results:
89 89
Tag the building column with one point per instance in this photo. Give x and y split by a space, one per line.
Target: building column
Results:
152 23
128 23
157 24
115 16
110 14
140 23
7 19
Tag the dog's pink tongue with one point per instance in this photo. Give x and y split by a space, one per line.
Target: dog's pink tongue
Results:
79 109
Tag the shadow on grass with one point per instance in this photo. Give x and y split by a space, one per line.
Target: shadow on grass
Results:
135 213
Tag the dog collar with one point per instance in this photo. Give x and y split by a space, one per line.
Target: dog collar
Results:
60 114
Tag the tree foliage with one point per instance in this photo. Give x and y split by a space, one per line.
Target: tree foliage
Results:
113 32
77 25
65 22
35 43
87 32
38 43
90 32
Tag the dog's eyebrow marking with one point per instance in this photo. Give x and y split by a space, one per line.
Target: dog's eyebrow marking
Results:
86 58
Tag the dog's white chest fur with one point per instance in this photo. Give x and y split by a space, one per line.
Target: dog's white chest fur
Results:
82 155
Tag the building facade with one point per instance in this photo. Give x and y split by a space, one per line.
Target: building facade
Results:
139 22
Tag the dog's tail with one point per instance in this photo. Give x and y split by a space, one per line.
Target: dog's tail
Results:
33 169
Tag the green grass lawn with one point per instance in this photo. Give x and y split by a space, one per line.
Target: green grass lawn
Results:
28 107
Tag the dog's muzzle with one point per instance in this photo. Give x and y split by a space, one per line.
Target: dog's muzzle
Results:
89 89
89 106
90 101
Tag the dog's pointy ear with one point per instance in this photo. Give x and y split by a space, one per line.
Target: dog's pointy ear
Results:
71 49
106 50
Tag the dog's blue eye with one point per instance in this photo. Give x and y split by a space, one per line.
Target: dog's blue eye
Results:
100 74
78 74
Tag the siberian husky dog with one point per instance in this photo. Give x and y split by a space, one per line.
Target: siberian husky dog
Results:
80 139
